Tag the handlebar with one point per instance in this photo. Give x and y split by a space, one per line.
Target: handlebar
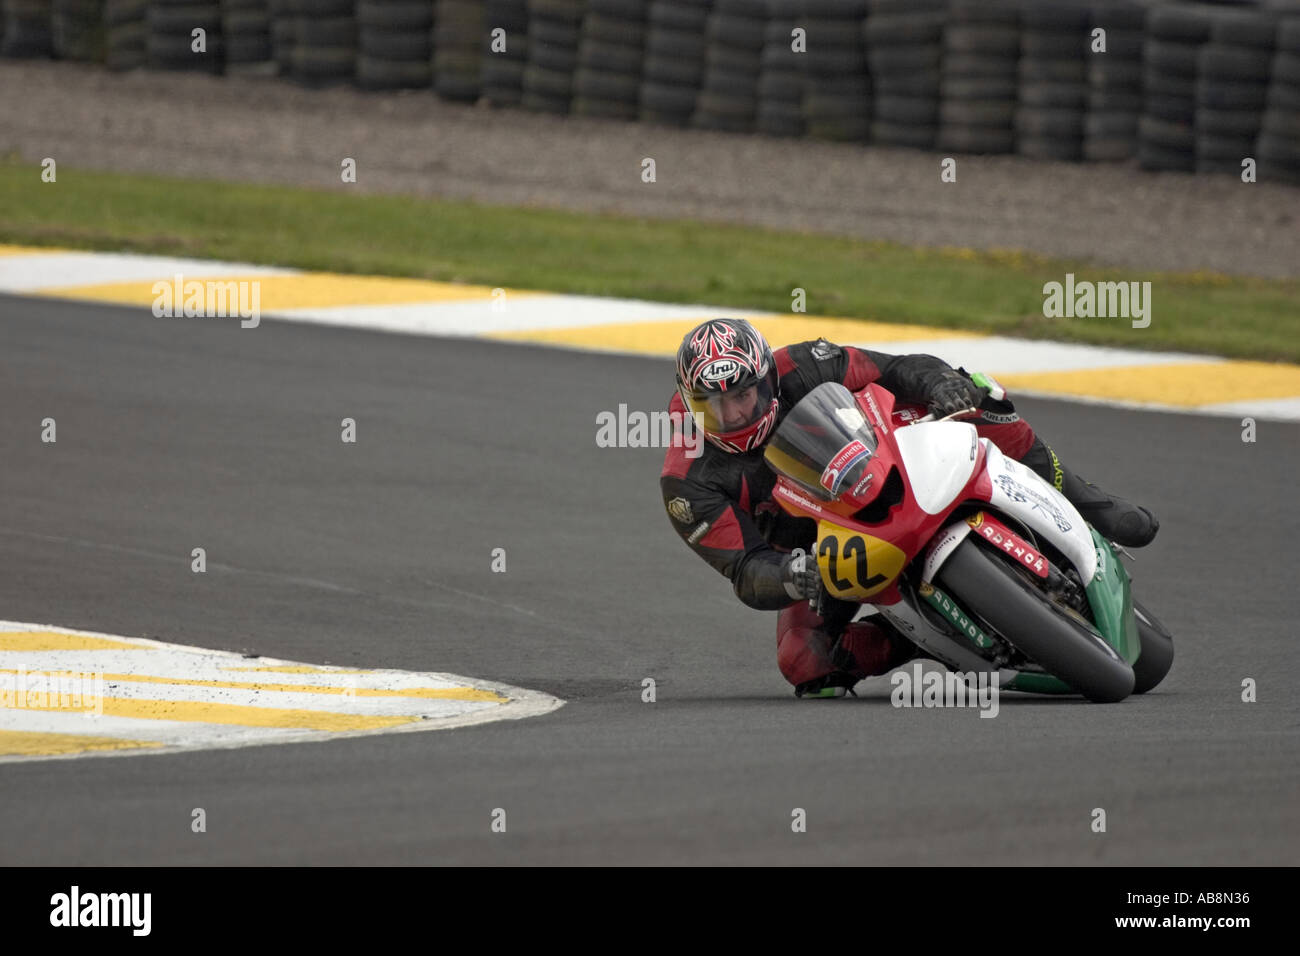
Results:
931 418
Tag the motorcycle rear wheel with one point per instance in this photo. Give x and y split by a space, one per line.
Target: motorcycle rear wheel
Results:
1066 646
1157 650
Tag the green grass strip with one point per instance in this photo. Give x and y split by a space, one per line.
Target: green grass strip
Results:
341 230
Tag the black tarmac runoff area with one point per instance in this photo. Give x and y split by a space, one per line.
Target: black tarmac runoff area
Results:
181 433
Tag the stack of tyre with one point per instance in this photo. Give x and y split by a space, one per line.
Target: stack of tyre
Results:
1114 81
394 44
1279 136
674 60
1166 131
904 40
1232 72
77 30
980 77
1053 93
837 94
504 62
27 28
172 43
246 29
728 99
781 76
554 29
324 42
126 33
284 33
610 59
460 39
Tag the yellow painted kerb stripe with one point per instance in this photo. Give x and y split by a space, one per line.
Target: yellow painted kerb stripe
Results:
29 251
22 743
58 641
306 291
1184 386
210 713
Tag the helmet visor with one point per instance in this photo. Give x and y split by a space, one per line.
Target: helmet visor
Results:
723 412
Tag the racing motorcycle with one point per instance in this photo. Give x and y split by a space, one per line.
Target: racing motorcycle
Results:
967 553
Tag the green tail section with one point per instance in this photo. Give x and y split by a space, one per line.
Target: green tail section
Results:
1038 684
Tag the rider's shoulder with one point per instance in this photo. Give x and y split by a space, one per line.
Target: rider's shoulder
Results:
808 353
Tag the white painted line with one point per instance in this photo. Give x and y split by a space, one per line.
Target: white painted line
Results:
1281 409
996 354
169 734
520 314
54 270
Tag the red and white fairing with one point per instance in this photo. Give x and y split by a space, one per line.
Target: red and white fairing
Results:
943 465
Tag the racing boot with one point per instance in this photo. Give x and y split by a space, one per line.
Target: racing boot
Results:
864 649
1115 518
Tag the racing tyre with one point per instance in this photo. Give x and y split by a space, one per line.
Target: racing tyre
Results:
1064 644
1157 650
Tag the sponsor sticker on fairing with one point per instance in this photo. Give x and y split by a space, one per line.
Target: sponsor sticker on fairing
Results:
785 493
941 547
1009 543
875 410
839 466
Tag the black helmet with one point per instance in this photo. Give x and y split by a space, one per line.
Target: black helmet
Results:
719 362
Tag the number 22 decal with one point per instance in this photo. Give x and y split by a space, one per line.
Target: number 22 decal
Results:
855 551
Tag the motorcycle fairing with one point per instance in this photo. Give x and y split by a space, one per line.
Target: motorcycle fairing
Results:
1036 504
938 459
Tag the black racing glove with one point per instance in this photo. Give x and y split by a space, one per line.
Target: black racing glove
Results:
800 576
953 392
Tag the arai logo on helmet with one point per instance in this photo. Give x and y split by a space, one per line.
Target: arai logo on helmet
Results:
719 370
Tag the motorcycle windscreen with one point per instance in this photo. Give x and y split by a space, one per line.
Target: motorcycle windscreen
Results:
824 444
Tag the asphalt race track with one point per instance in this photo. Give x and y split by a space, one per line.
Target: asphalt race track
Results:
181 433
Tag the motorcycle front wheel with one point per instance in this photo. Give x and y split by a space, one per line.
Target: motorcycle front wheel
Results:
1063 643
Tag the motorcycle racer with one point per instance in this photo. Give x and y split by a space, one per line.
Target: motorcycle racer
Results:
736 390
